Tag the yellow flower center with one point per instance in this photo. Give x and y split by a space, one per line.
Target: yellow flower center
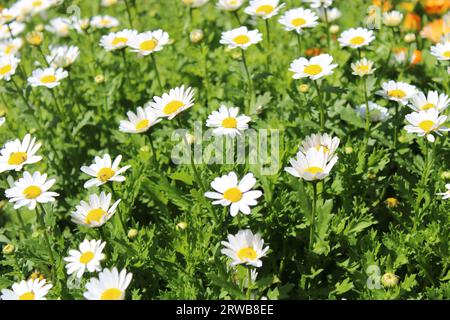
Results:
265 9
95 215
119 41
242 39
105 174
148 45
5 69
48 79
27 296
17 158
426 125
357 40
36 3
173 107
298 22
229 122
362 68
111 294
428 106
105 22
9 49
233 194
142 124
86 257
446 54
247 253
32 192
314 170
313 69
325 149
397 93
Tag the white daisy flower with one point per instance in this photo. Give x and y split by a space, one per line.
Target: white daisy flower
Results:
148 42
237 195
392 18
49 77
363 67
397 91
240 38
194 3
264 8
30 190
319 3
328 144
315 68
377 112
140 121
103 171
15 28
311 166
10 46
229 5
95 213
27 290
298 19
426 123
109 3
433 100
441 51
8 66
356 38
445 195
8 14
245 247
227 122
172 103
62 56
332 14
117 40
60 26
37 6
110 285
87 257
15 154
104 22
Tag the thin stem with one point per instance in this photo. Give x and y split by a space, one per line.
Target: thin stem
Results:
269 47
299 43
125 64
43 56
249 283
156 71
119 212
313 217
325 10
395 127
366 99
321 106
250 82
130 21
22 224
236 15
40 217
152 148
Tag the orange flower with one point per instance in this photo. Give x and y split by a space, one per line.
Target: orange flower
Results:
412 22
408 5
401 55
312 52
435 30
416 57
386 4
436 6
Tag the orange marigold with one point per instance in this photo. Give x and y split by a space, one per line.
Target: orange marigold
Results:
436 6
435 30
412 22
387 5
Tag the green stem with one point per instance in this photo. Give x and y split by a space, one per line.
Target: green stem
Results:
40 217
130 21
249 283
321 106
236 15
43 56
269 47
119 212
325 10
150 139
250 82
156 71
313 217
299 43
395 127
366 99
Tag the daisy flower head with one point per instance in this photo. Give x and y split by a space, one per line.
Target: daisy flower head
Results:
8 14
245 248
30 190
363 67
60 26
433 100
332 14
377 112
194 3
356 38
397 91
315 68
33 289
140 121
62 56
298 19
324 142
104 170
425 123
87 257
15 28
15 154
95 213
8 66
441 51
312 165
110 285
240 38
149 42
49 77
445 195
265 9
173 103
238 195
36 6
227 122
104 22
117 40
10 46
319 3
393 18
229 5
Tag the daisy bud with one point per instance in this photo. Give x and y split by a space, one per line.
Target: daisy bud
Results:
181 226
348 150
445 175
393 18
334 29
132 233
8 249
392 202
389 280
37 275
35 38
39 28
410 37
84 24
303 88
99 78
196 36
